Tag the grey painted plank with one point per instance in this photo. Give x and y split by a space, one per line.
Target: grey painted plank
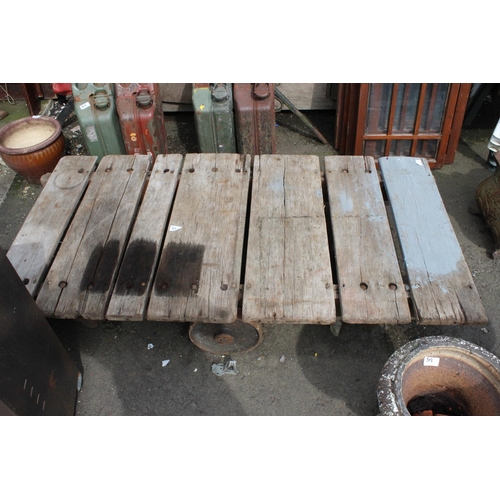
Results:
79 281
370 285
441 284
35 245
135 278
288 277
198 277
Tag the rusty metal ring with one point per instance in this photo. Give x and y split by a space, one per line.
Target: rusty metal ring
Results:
226 338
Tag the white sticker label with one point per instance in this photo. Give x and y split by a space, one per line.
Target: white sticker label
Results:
175 228
85 105
429 361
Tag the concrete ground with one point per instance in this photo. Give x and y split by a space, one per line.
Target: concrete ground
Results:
296 370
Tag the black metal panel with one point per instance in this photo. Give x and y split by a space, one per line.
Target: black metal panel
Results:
37 375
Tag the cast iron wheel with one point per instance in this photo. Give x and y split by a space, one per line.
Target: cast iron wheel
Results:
226 338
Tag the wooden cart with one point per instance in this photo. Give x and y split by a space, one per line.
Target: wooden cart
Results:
226 240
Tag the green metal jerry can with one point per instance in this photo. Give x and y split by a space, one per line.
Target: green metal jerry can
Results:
95 109
214 120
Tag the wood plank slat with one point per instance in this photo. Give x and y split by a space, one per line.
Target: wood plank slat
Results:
370 285
34 247
288 277
307 95
441 284
135 278
79 281
199 273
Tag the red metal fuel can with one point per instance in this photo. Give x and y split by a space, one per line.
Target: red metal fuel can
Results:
255 118
140 114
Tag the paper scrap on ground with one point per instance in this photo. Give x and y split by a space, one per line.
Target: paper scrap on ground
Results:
165 362
229 367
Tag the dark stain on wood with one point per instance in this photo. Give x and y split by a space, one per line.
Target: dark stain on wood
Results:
179 270
137 268
100 268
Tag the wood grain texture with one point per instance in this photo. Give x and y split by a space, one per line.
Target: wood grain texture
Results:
198 276
80 279
288 276
441 284
135 278
308 95
34 247
370 285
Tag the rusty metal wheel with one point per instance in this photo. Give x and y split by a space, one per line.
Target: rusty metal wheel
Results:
440 376
226 338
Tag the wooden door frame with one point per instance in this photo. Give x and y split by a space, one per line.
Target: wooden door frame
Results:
447 138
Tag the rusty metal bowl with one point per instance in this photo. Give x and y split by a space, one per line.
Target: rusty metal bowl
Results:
440 376
32 146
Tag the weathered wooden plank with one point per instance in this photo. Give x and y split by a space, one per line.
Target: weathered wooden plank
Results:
288 277
441 284
198 276
36 243
308 95
57 277
135 278
371 288
82 274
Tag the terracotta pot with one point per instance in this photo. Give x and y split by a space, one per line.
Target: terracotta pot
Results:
32 146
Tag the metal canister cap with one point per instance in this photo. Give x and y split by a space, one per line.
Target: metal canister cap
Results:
144 98
261 91
101 100
220 92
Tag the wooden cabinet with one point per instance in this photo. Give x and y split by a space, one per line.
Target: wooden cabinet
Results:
401 119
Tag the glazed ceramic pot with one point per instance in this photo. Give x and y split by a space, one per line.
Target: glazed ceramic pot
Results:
32 146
